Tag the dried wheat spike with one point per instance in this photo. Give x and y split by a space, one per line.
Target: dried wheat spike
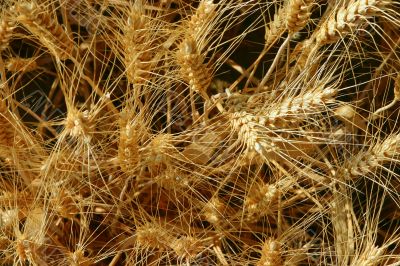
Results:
213 211
276 27
367 162
297 109
271 254
153 236
193 69
298 14
18 64
260 201
137 43
199 19
128 148
187 247
47 29
347 19
6 30
79 124
251 132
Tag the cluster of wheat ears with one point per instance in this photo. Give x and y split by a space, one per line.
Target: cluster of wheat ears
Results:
187 132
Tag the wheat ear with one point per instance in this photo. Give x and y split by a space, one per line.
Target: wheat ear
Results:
298 14
248 128
367 162
6 29
18 64
271 254
190 56
347 19
47 29
199 19
296 109
276 27
193 68
137 45
260 201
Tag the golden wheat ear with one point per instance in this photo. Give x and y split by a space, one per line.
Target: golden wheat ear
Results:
46 28
7 27
138 42
347 18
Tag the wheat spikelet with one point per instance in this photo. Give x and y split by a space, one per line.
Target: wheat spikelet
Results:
137 41
187 247
298 14
129 140
46 28
271 254
18 64
380 153
347 19
276 27
79 124
7 27
193 68
213 211
152 236
300 107
203 14
371 256
260 201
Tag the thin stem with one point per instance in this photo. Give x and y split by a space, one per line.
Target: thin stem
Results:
274 63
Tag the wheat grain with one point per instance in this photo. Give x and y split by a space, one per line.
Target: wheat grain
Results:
47 29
